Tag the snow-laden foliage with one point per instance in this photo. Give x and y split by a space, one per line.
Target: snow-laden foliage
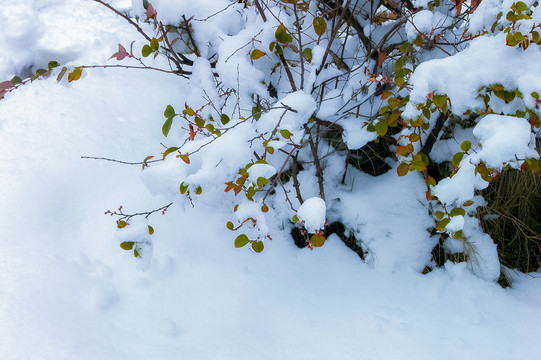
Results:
289 100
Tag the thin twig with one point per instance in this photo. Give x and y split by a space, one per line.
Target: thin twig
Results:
260 9
294 172
178 73
146 214
120 161
319 171
126 17
195 48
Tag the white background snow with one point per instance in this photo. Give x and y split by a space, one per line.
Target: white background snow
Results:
67 291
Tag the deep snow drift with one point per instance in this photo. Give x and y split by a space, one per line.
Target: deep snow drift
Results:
67 290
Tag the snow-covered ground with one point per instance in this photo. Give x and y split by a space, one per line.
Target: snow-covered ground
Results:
67 290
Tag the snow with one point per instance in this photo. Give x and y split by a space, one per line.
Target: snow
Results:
355 133
504 139
260 170
312 214
68 291
484 60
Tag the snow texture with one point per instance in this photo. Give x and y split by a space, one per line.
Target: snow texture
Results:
68 291
312 214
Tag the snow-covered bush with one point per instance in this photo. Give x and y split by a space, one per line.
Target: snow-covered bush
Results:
290 99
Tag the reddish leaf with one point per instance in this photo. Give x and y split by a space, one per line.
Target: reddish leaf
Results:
120 54
381 58
184 157
230 185
150 13
402 151
403 169
6 85
192 132
474 5
459 6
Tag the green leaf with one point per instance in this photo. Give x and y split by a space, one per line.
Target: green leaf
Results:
419 162
75 74
307 53
199 122
261 181
519 7
230 225
465 146
510 16
440 101
457 158
440 215
458 211
145 4
150 230
16 80
414 137
258 246
146 50
256 54
183 187
169 112
534 165
241 241
40 72
404 48
282 36
127 245
52 64
319 25
458 235
121 224
224 119
188 111
198 190
381 128
154 44
442 224
167 126
285 133
256 112
169 151
386 94
399 64
295 219
250 193
535 36
418 40
136 253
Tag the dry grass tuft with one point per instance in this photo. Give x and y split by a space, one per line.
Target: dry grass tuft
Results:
512 218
